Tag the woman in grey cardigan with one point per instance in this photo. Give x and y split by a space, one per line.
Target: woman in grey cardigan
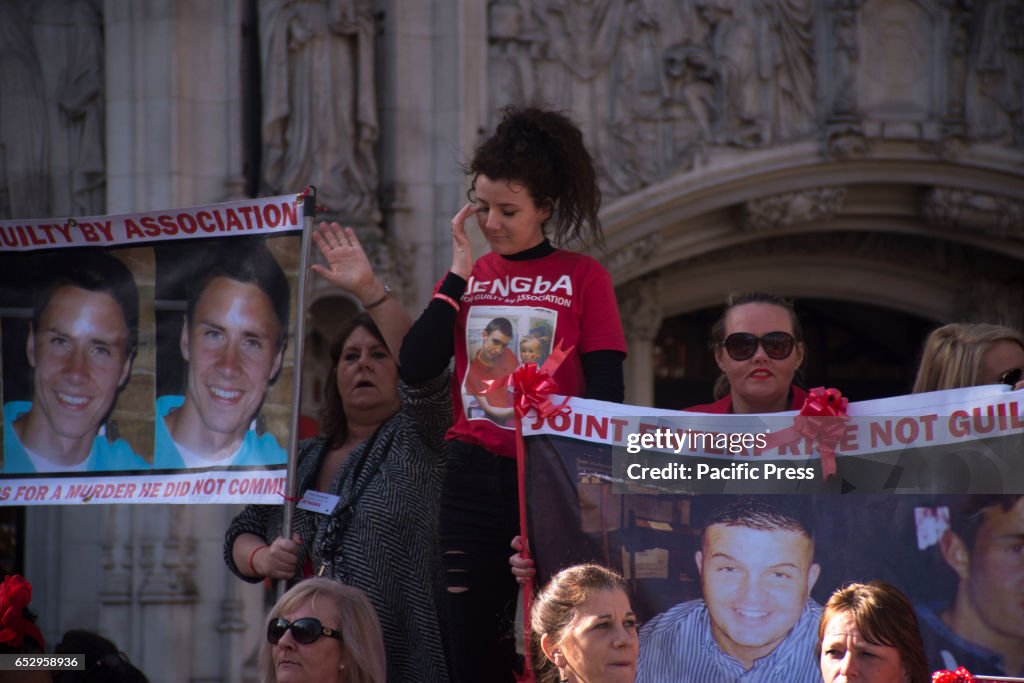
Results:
382 454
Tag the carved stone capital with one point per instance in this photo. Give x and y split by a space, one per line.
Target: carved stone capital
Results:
791 208
845 139
991 214
637 250
640 307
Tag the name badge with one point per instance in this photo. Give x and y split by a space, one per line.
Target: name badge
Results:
318 502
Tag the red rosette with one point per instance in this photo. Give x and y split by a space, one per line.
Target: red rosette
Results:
15 596
532 388
961 675
823 420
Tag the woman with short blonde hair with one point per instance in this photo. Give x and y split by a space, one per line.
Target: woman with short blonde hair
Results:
322 630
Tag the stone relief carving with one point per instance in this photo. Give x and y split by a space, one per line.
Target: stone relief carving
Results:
844 136
791 208
640 307
52 156
998 109
24 138
636 251
320 124
69 34
996 215
960 16
654 82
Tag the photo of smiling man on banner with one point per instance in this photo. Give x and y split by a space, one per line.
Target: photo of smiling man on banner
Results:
81 342
232 338
756 621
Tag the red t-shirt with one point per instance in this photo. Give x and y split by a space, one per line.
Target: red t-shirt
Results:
562 297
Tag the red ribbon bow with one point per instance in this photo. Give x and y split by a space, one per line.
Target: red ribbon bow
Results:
15 595
533 385
961 675
823 419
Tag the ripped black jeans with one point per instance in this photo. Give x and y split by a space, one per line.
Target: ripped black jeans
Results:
479 517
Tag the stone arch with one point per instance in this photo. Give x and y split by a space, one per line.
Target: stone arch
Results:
939 239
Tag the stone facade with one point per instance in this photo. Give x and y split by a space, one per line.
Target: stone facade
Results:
861 150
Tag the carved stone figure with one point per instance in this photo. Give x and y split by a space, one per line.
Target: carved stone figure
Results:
846 54
844 136
999 109
575 58
789 67
510 68
959 45
24 145
70 36
320 123
736 52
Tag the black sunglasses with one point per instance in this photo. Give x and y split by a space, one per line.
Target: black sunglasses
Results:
743 345
1011 376
305 630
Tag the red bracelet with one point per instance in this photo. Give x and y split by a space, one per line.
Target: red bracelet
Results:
448 300
252 555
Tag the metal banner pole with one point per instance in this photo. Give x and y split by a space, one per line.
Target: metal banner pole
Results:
308 219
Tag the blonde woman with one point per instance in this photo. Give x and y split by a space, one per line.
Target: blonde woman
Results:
322 631
971 354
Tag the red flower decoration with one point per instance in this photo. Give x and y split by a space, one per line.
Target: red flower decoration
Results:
15 595
823 419
961 675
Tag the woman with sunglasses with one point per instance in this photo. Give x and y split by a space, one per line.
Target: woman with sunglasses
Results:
322 631
533 178
969 355
372 479
758 344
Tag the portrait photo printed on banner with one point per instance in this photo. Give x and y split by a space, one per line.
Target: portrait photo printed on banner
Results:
223 320
77 361
498 340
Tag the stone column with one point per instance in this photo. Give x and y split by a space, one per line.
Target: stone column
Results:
641 311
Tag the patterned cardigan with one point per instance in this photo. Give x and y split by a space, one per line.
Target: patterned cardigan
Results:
387 542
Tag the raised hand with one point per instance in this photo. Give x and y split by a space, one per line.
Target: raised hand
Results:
347 264
462 253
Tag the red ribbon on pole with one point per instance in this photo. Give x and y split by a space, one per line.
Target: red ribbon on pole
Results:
531 387
961 675
822 420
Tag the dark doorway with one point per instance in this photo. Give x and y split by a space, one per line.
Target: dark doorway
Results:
864 351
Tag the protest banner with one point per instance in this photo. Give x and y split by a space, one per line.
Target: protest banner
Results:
636 489
149 357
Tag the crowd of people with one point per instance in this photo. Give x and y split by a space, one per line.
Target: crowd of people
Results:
534 186
398 560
